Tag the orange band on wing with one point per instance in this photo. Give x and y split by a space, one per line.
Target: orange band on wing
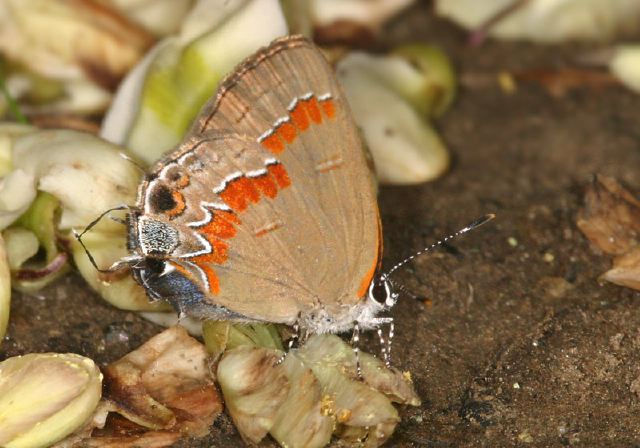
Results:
218 255
328 107
366 280
302 112
287 131
273 143
313 110
220 226
280 174
266 185
239 192
299 117
212 279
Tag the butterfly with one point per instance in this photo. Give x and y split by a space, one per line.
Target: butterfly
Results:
266 212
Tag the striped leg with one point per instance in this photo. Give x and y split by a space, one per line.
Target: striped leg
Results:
294 338
355 340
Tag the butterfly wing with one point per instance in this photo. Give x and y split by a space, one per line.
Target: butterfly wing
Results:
271 193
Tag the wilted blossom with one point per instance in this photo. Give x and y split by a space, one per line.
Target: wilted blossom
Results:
545 20
51 187
610 219
313 394
161 391
71 52
625 65
391 98
46 396
5 290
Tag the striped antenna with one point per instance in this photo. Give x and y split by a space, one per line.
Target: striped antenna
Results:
476 223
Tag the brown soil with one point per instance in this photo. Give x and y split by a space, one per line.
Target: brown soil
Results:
518 343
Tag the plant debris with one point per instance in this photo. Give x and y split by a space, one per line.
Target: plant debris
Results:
162 391
313 394
610 220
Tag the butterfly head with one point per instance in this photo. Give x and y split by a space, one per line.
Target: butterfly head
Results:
153 242
381 292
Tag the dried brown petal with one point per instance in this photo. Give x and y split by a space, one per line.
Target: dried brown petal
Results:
166 386
610 218
71 39
352 21
626 270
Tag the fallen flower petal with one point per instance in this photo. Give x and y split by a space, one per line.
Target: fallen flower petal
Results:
253 388
41 219
625 65
625 270
21 244
610 218
82 48
313 393
545 20
330 349
435 90
5 290
182 73
351 21
44 397
405 148
154 396
165 384
161 17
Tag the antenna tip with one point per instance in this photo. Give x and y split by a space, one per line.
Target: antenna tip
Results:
479 221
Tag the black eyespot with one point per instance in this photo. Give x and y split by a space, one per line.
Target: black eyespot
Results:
162 199
379 291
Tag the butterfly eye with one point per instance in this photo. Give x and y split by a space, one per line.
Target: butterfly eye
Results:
380 290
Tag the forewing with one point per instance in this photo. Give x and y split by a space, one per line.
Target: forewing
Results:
279 210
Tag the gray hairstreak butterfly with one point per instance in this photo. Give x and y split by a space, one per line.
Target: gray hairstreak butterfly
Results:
267 210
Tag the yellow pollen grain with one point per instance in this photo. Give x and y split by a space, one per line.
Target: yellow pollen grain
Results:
326 405
343 415
507 83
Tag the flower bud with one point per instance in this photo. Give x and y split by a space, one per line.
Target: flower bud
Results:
404 146
5 292
46 396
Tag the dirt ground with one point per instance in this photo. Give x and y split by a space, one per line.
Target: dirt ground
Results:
518 344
